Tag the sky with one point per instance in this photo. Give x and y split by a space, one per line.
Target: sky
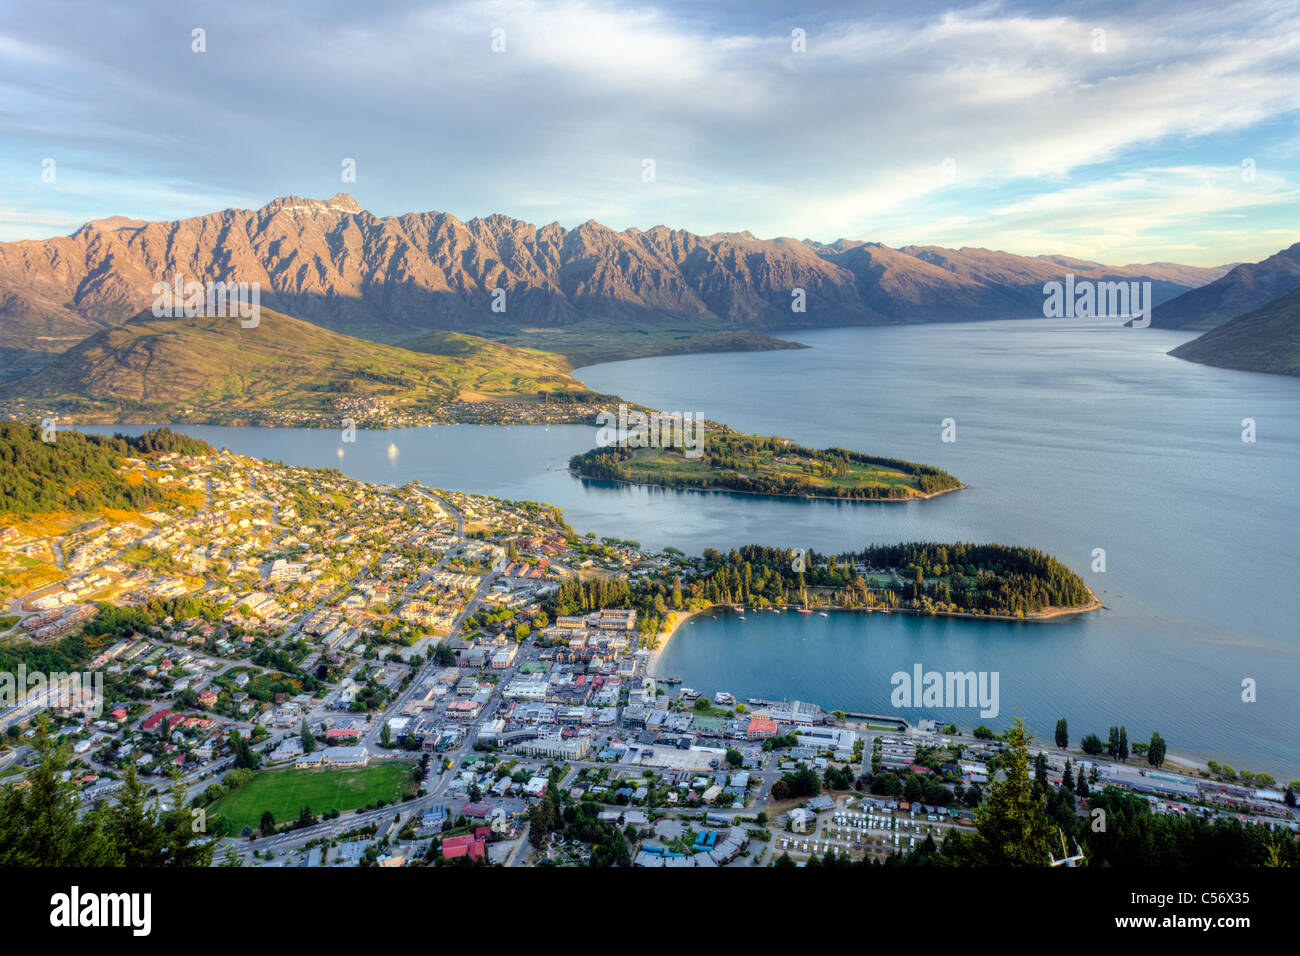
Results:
1113 131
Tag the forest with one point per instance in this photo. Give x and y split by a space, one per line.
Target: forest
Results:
767 466
929 577
983 579
79 472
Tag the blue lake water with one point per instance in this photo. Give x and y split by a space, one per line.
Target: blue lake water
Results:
1071 437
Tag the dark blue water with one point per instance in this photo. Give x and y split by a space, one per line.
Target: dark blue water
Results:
1070 438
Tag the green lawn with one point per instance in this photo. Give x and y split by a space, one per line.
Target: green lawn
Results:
284 792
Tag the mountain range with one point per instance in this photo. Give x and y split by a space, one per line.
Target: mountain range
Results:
390 279
1266 339
1244 288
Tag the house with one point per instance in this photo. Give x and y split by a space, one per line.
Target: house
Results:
151 723
432 820
345 757
473 846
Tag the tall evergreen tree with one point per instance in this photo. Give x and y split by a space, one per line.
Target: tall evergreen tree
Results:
41 823
1011 826
1156 750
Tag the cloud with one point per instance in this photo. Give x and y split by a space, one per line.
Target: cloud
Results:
846 138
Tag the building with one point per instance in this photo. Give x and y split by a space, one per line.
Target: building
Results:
472 845
345 757
556 748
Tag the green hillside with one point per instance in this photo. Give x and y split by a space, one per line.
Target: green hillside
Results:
283 371
79 473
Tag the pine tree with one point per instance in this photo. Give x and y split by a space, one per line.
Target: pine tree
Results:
134 826
41 824
1010 823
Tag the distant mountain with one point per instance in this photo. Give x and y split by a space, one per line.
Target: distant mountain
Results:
336 265
1265 340
1246 287
212 369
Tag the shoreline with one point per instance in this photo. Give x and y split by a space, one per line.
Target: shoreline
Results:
652 663
315 424
919 496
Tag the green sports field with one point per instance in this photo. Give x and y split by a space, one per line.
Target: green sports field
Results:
285 792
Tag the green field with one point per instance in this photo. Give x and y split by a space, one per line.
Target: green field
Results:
285 792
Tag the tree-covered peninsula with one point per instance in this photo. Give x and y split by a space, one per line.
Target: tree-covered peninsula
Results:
993 580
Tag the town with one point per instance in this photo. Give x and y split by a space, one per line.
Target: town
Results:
345 674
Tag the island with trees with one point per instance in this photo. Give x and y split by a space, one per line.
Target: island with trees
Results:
761 465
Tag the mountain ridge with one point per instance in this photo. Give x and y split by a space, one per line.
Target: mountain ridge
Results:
333 263
1266 339
1244 288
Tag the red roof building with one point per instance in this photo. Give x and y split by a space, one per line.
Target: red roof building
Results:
474 847
151 723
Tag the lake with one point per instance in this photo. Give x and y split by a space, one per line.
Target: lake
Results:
1071 437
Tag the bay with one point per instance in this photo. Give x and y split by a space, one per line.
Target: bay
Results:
1070 437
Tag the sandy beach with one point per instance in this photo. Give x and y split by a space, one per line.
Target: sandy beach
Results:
679 618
